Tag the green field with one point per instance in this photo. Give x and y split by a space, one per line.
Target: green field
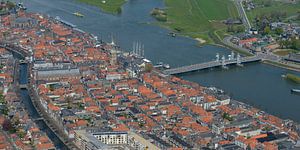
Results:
110 6
290 9
198 18
284 52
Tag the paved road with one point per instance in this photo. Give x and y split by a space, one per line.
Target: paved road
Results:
242 13
227 41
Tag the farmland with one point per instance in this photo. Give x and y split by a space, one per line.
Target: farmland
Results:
198 18
290 10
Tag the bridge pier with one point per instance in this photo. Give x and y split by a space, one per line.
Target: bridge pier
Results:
223 62
238 60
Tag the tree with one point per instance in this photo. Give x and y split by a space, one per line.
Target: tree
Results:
68 99
278 31
240 29
148 67
267 30
119 10
230 28
21 133
6 125
10 5
227 117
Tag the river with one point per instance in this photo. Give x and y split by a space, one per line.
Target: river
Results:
257 84
33 112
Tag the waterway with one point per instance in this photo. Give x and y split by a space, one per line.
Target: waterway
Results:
257 84
23 79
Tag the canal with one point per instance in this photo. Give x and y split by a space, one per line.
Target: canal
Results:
23 79
257 84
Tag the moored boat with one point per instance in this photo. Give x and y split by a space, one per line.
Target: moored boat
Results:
295 91
78 14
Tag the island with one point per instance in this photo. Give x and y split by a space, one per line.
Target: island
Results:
109 6
292 77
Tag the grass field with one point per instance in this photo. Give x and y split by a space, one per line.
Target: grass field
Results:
276 6
198 18
110 6
284 52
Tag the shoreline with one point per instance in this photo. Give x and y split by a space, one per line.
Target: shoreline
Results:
279 65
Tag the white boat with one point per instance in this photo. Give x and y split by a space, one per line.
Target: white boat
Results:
295 90
167 66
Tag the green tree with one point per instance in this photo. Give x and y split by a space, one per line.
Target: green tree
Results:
69 100
227 117
21 133
278 31
119 10
10 5
240 29
148 67
267 30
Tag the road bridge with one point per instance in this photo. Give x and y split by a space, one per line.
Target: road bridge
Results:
23 86
216 63
15 49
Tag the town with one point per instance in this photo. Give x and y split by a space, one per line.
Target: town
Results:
100 97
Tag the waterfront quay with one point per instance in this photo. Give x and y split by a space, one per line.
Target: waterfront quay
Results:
101 98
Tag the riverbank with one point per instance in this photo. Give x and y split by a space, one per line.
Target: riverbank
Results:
281 65
108 6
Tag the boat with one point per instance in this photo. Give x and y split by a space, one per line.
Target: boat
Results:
78 14
166 66
21 6
172 34
295 91
160 63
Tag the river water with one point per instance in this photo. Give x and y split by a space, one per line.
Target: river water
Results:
33 112
256 84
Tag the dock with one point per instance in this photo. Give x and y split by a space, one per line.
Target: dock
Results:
65 22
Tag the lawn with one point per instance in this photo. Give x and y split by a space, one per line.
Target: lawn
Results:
198 18
276 6
284 52
109 6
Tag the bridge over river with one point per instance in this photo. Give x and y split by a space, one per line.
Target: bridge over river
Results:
216 63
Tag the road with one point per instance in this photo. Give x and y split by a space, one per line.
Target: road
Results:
227 41
266 56
242 13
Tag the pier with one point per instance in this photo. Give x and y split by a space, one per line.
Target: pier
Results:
223 62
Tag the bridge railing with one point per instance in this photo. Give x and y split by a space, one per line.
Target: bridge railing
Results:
209 64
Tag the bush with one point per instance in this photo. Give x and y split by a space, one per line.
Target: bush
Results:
159 14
